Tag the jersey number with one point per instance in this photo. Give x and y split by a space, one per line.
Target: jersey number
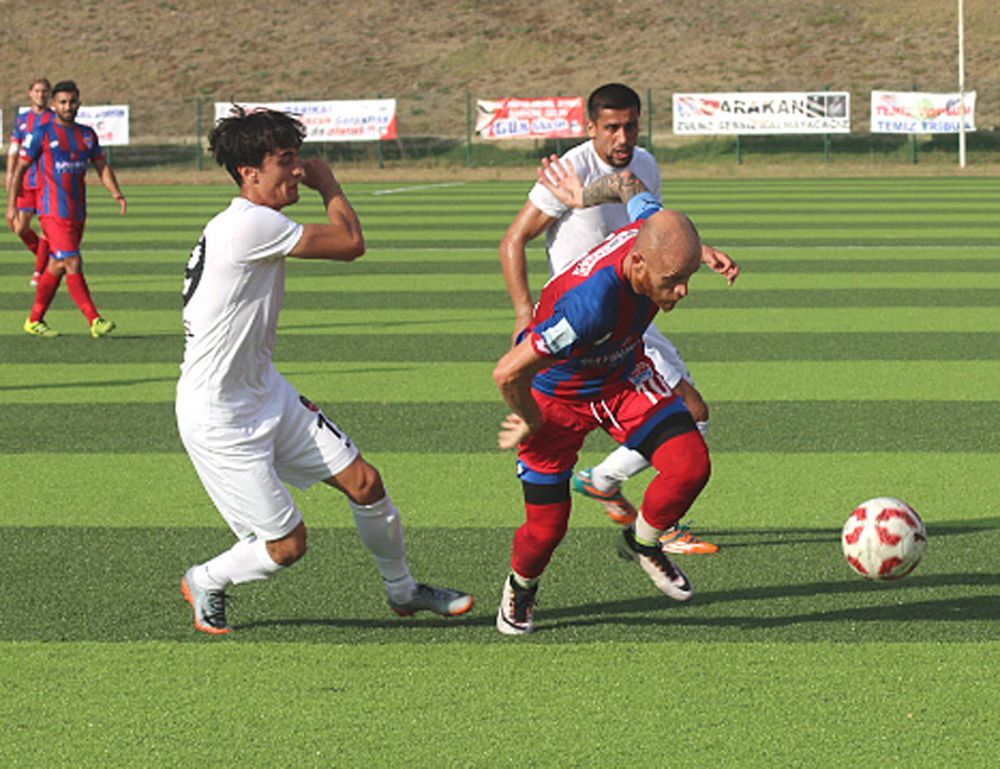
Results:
192 273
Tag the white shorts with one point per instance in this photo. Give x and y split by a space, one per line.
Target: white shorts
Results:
665 357
244 468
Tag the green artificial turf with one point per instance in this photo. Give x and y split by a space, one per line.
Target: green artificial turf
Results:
856 356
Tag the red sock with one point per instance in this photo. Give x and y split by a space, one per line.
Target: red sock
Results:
30 239
46 289
683 468
41 255
538 537
78 289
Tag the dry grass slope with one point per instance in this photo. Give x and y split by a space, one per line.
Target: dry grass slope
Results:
162 58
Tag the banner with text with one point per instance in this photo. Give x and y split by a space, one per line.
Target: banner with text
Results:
793 112
110 121
914 112
560 117
360 120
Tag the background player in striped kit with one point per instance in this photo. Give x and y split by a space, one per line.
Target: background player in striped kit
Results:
613 124
38 113
63 148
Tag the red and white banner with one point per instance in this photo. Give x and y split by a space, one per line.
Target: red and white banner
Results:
805 112
361 120
559 117
914 112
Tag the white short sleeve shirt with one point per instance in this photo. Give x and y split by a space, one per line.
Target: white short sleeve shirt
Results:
233 292
577 230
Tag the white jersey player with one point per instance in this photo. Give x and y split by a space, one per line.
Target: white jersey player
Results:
613 125
247 430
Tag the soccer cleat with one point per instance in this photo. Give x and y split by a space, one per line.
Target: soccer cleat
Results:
666 575
678 539
517 608
101 327
39 328
209 606
440 600
35 277
619 509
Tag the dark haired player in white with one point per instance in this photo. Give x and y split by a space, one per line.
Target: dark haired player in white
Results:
613 126
247 430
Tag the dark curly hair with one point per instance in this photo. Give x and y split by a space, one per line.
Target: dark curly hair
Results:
247 136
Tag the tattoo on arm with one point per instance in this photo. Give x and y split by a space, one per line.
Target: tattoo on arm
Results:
613 188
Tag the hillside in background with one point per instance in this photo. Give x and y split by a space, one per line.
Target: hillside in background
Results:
164 58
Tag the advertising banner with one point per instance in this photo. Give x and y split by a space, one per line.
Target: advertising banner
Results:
111 122
360 120
793 112
559 117
914 112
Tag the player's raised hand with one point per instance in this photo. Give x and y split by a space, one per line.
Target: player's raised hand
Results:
562 181
720 262
317 175
512 432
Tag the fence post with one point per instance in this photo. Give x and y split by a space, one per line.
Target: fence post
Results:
649 119
199 152
826 138
468 128
913 141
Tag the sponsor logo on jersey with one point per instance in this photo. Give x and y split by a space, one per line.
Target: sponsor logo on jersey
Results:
616 241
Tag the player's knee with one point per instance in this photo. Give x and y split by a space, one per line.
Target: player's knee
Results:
685 462
289 549
361 482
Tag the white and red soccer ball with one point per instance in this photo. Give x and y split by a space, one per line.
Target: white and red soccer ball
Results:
884 538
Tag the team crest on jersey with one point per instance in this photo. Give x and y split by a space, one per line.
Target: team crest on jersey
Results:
613 243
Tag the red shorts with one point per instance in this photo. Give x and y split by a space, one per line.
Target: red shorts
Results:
628 416
28 200
64 236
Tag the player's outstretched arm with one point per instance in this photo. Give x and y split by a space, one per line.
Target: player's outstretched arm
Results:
110 181
513 376
342 238
528 225
720 262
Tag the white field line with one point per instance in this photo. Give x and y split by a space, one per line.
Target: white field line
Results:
417 187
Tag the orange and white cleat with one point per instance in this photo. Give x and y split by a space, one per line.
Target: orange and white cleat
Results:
679 539
619 509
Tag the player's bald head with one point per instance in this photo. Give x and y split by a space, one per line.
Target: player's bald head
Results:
666 253
668 240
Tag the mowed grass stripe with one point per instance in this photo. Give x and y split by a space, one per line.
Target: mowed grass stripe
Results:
464 321
102 266
417 382
745 426
488 348
756 492
930 708
801 591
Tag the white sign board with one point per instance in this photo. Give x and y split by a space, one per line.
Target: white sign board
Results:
792 112
111 122
333 121
914 112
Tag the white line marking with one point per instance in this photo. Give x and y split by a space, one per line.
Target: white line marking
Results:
418 187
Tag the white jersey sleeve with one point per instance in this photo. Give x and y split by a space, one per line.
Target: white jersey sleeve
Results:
263 234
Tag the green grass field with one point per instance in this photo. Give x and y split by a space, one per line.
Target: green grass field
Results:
857 356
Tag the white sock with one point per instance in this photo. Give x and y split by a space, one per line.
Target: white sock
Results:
620 465
246 561
381 531
645 532
703 429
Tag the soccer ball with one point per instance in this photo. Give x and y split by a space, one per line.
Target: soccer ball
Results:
884 538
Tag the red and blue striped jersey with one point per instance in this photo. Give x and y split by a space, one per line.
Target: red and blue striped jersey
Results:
62 153
591 321
24 124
